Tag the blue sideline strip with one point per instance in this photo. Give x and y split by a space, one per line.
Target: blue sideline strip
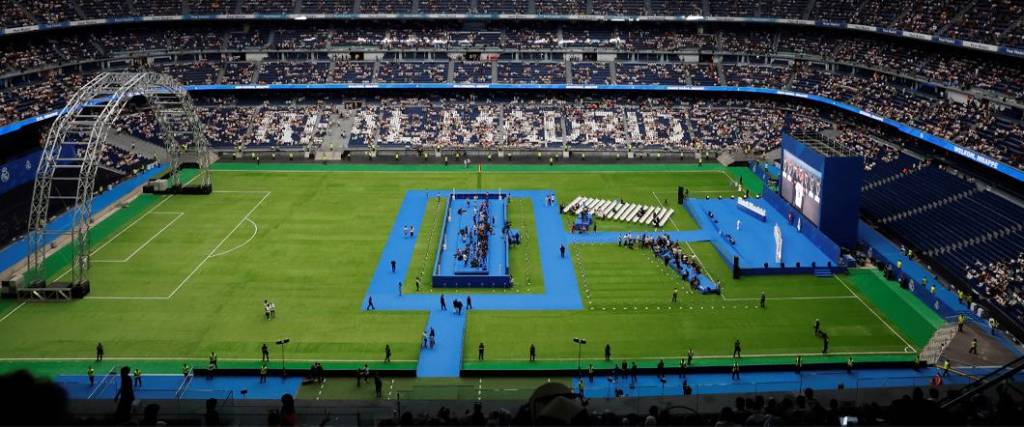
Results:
769 382
18 250
170 387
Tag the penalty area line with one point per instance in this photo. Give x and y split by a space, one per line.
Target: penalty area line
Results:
255 229
151 210
9 313
148 241
216 248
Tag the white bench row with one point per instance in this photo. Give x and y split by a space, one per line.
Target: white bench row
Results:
619 211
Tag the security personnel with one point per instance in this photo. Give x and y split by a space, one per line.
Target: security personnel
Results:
849 365
185 369
945 368
960 320
92 376
138 377
263 374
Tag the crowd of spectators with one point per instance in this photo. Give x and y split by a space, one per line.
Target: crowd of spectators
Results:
1002 282
580 123
229 124
413 72
918 407
989 21
972 122
941 65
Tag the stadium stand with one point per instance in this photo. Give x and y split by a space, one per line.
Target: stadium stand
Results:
971 98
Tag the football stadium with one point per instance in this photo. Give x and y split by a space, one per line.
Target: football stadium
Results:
512 212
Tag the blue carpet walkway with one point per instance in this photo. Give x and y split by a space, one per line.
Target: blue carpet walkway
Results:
445 359
561 291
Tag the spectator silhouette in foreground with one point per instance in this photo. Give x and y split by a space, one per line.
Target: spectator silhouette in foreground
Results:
125 396
35 402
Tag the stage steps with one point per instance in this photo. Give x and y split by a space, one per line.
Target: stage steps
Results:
937 344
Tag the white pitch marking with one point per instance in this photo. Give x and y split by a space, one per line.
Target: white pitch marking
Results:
255 229
201 263
9 313
147 242
876 314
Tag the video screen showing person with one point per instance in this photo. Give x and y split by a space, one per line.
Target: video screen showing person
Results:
801 186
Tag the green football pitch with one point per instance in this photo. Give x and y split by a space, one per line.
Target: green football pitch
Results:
176 277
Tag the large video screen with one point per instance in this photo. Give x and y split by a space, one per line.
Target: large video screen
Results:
801 186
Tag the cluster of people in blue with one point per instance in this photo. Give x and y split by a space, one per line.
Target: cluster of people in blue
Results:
474 248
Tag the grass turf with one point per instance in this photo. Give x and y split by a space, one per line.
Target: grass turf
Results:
628 297
180 276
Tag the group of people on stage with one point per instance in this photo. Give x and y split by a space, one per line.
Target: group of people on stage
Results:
475 245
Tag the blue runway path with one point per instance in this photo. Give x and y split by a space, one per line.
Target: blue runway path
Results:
561 291
445 359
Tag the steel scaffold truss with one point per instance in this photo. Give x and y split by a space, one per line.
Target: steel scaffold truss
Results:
74 148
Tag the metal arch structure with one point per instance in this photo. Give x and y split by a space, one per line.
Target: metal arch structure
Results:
73 151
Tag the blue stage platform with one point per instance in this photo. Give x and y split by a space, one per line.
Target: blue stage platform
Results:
466 213
754 242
